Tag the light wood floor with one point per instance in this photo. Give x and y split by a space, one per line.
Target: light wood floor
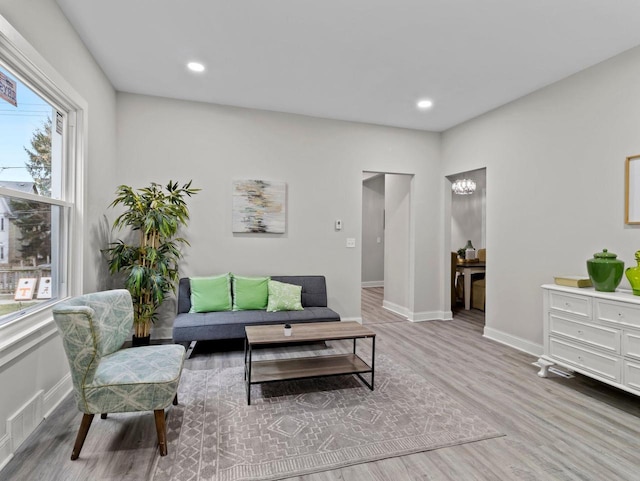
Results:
372 310
555 429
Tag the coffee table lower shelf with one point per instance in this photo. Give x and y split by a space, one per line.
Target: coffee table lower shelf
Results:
306 367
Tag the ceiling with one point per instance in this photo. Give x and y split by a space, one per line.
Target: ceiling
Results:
359 60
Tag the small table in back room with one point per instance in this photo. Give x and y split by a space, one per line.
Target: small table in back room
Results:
468 270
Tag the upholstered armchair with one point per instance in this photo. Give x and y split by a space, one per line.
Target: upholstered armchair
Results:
108 379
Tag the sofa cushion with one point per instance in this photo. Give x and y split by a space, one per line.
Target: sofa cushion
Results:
314 289
209 294
249 293
230 324
284 297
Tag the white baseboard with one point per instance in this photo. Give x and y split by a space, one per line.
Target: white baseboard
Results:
396 308
417 316
5 450
513 341
356 319
430 316
366 284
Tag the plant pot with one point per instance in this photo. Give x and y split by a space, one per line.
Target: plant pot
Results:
605 271
140 341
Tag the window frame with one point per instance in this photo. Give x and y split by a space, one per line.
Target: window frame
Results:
25 331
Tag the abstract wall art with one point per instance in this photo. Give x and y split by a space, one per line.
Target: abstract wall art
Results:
259 206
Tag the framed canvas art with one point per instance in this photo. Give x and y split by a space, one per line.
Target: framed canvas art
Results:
632 190
259 206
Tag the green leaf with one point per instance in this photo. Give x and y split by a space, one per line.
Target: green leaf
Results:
158 213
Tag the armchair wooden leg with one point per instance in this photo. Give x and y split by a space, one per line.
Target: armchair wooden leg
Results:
161 429
103 416
175 400
85 424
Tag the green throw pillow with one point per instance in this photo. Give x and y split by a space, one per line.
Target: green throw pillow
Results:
284 297
210 294
250 293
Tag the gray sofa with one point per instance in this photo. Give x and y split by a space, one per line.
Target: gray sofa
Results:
201 326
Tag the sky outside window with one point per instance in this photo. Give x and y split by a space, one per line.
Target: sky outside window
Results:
17 125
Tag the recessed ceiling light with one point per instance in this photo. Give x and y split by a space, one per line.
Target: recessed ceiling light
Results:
425 104
195 67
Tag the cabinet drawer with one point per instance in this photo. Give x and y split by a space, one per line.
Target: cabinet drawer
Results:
618 312
597 336
607 367
578 305
631 344
632 375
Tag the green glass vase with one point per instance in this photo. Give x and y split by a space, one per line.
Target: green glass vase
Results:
605 271
633 274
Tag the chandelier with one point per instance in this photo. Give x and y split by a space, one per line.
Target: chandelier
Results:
463 186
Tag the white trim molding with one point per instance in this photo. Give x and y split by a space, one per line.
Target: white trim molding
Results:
54 396
366 284
26 419
5 450
430 316
396 308
18 337
513 341
417 316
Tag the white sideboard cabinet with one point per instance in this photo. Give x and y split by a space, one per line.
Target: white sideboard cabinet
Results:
594 333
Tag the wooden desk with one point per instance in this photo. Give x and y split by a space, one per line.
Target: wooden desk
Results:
468 270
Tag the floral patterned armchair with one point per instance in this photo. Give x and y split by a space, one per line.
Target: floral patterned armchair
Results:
106 378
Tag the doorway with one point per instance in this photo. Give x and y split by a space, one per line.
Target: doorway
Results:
386 220
468 225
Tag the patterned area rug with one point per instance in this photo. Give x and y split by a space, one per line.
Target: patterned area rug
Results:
299 427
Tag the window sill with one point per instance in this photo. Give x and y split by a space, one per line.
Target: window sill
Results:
21 335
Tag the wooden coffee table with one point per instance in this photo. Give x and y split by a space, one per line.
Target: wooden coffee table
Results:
256 372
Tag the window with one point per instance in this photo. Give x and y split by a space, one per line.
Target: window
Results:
40 189
31 159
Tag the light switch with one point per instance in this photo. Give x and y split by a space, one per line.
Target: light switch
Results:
338 224
351 242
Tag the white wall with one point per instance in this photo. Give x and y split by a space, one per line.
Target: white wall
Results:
36 369
397 205
322 163
555 167
467 212
373 231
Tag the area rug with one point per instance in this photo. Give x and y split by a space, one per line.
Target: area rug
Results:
300 427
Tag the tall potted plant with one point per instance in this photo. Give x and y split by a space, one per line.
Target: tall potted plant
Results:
151 262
